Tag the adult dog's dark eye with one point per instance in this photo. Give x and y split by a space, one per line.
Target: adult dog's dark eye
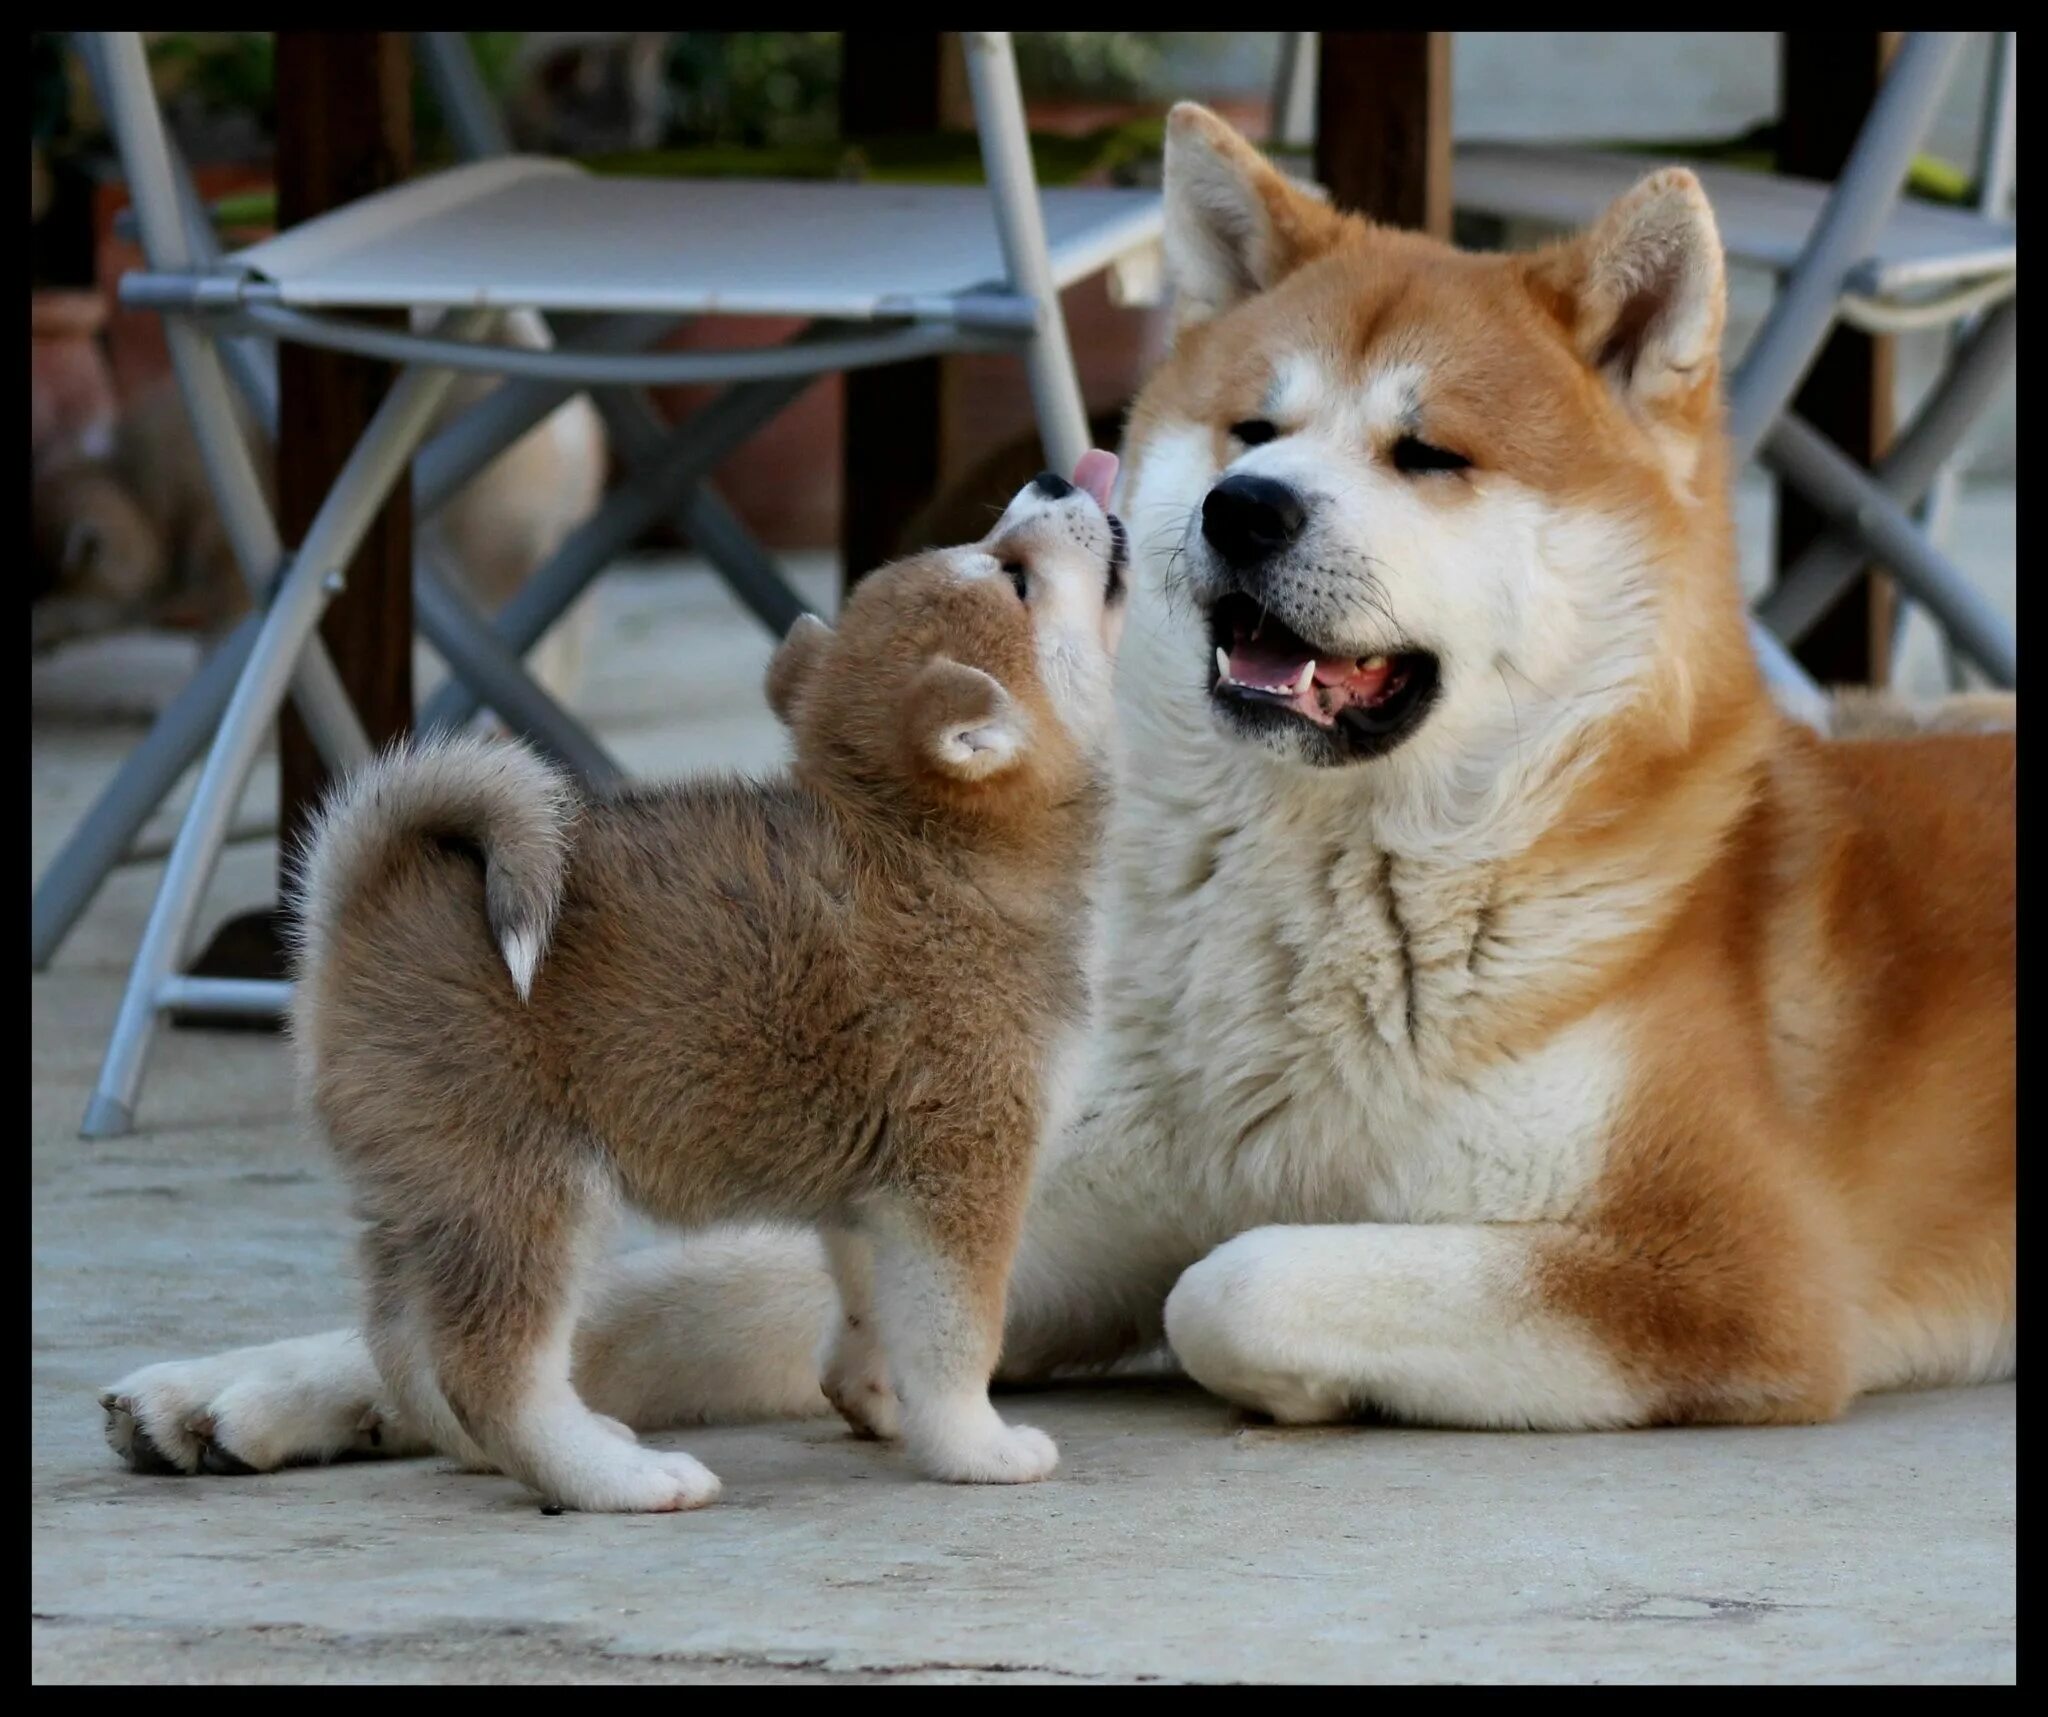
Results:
1015 573
1254 430
1413 455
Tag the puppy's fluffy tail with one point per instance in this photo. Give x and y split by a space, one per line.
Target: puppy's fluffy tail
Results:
515 807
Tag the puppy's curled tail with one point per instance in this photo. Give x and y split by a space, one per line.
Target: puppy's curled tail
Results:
517 809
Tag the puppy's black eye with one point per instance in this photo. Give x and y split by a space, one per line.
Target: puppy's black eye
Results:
1254 431
1413 455
1015 573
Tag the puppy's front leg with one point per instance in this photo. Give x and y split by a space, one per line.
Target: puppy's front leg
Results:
854 1371
939 1273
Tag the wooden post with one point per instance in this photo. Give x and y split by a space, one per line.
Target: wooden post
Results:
344 129
1829 81
889 81
1383 125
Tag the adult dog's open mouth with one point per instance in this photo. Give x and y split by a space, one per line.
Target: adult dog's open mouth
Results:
1264 673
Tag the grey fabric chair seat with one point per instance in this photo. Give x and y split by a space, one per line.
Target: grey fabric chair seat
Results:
1766 219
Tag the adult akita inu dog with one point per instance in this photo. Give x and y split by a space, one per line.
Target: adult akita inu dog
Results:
1511 1019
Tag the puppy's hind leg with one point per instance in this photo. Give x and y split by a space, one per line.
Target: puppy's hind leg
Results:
854 1372
939 1277
472 1307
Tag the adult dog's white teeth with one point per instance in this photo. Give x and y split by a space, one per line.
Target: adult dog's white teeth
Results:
1222 663
1373 664
1307 679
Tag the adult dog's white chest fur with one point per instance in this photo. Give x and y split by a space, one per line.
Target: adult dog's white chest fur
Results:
1284 1032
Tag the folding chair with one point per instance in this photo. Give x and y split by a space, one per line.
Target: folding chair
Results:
881 273
1853 251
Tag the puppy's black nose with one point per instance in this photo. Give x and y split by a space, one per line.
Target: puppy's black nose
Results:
1250 519
1052 485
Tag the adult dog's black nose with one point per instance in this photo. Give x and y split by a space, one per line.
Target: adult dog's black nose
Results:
1250 519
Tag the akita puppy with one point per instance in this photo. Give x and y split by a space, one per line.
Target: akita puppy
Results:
846 998
1510 1018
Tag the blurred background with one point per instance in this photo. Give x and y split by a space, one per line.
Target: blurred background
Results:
753 103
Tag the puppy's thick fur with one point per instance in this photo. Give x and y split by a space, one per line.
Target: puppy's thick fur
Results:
846 998
1592 1046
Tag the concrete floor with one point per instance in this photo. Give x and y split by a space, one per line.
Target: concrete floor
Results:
1179 1542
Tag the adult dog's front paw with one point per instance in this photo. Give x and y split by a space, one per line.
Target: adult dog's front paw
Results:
253 1410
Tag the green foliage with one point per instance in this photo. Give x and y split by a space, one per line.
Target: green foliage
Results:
754 88
1106 64
220 71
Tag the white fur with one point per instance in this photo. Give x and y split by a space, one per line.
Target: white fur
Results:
1428 1322
311 1398
1066 555
939 1356
522 950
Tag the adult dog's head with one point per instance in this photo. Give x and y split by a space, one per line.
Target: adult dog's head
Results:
1419 510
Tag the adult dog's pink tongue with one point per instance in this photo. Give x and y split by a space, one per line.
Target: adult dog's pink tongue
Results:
1096 472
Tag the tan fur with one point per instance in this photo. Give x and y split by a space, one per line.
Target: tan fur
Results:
837 998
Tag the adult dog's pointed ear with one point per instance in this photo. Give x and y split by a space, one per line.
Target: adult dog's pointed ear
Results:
962 724
1235 224
794 660
1644 290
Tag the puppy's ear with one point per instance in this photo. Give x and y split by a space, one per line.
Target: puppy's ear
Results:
793 662
1235 224
962 723
1644 290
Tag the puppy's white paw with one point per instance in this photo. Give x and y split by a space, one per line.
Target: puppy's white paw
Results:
856 1381
1008 1454
253 1410
642 1481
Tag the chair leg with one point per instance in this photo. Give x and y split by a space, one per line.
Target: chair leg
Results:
1293 121
1020 223
714 530
641 437
145 779
1979 368
656 488
1862 201
471 648
1791 685
1840 488
282 641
